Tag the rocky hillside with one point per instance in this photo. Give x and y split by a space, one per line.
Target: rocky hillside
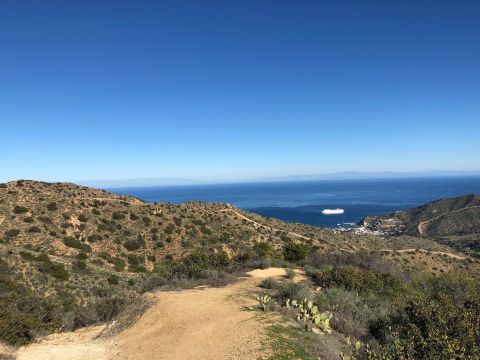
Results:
71 256
446 217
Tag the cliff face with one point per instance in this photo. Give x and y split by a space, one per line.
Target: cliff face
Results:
459 216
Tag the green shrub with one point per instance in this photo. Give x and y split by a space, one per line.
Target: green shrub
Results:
359 280
23 315
77 244
54 269
263 249
270 283
34 229
45 219
28 256
292 291
9 234
20 209
52 206
82 256
135 264
113 279
295 252
199 263
80 265
133 245
119 264
440 321
94 238
117 216
169 229
133 217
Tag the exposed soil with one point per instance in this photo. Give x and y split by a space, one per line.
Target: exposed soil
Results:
202 323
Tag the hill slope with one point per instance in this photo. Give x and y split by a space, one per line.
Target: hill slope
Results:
446 217
71 256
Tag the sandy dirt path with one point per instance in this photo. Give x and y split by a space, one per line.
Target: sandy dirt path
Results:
208 323
451 255
257 224
422 226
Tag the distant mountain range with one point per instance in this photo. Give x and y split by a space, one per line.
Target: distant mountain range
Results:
354 175
345 175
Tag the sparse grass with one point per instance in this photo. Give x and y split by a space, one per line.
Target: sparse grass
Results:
285 341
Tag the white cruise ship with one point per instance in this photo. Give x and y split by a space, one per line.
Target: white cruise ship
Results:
332 211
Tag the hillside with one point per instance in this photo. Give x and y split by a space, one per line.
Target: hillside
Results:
72 256
446 217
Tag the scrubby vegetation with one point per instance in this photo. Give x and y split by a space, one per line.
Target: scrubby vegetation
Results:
385 315
73 256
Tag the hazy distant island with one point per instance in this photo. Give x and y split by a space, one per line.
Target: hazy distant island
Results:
344 175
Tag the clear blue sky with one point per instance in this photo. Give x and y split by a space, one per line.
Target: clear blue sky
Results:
237 89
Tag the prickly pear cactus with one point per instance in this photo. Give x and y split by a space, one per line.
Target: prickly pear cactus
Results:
263 300
309 313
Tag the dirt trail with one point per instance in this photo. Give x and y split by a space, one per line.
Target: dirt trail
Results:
208 323
422 226
257 224
454 256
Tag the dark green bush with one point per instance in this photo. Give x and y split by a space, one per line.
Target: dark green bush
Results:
119 264
9 234
295 252
20 209
135 263
77 244
54 269
79 265
23 314
133 245
82 256
113 279
45 219
359 280
133 217
263 249
52 206
169 229
198 264
34 229
117 216
441 320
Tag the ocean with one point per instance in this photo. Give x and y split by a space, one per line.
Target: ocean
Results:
304 201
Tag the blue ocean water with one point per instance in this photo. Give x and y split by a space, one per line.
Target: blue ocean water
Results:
303 201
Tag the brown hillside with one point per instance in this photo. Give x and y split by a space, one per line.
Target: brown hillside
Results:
83 254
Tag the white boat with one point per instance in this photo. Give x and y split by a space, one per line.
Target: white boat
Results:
332 211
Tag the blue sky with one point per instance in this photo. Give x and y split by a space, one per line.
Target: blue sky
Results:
237 89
